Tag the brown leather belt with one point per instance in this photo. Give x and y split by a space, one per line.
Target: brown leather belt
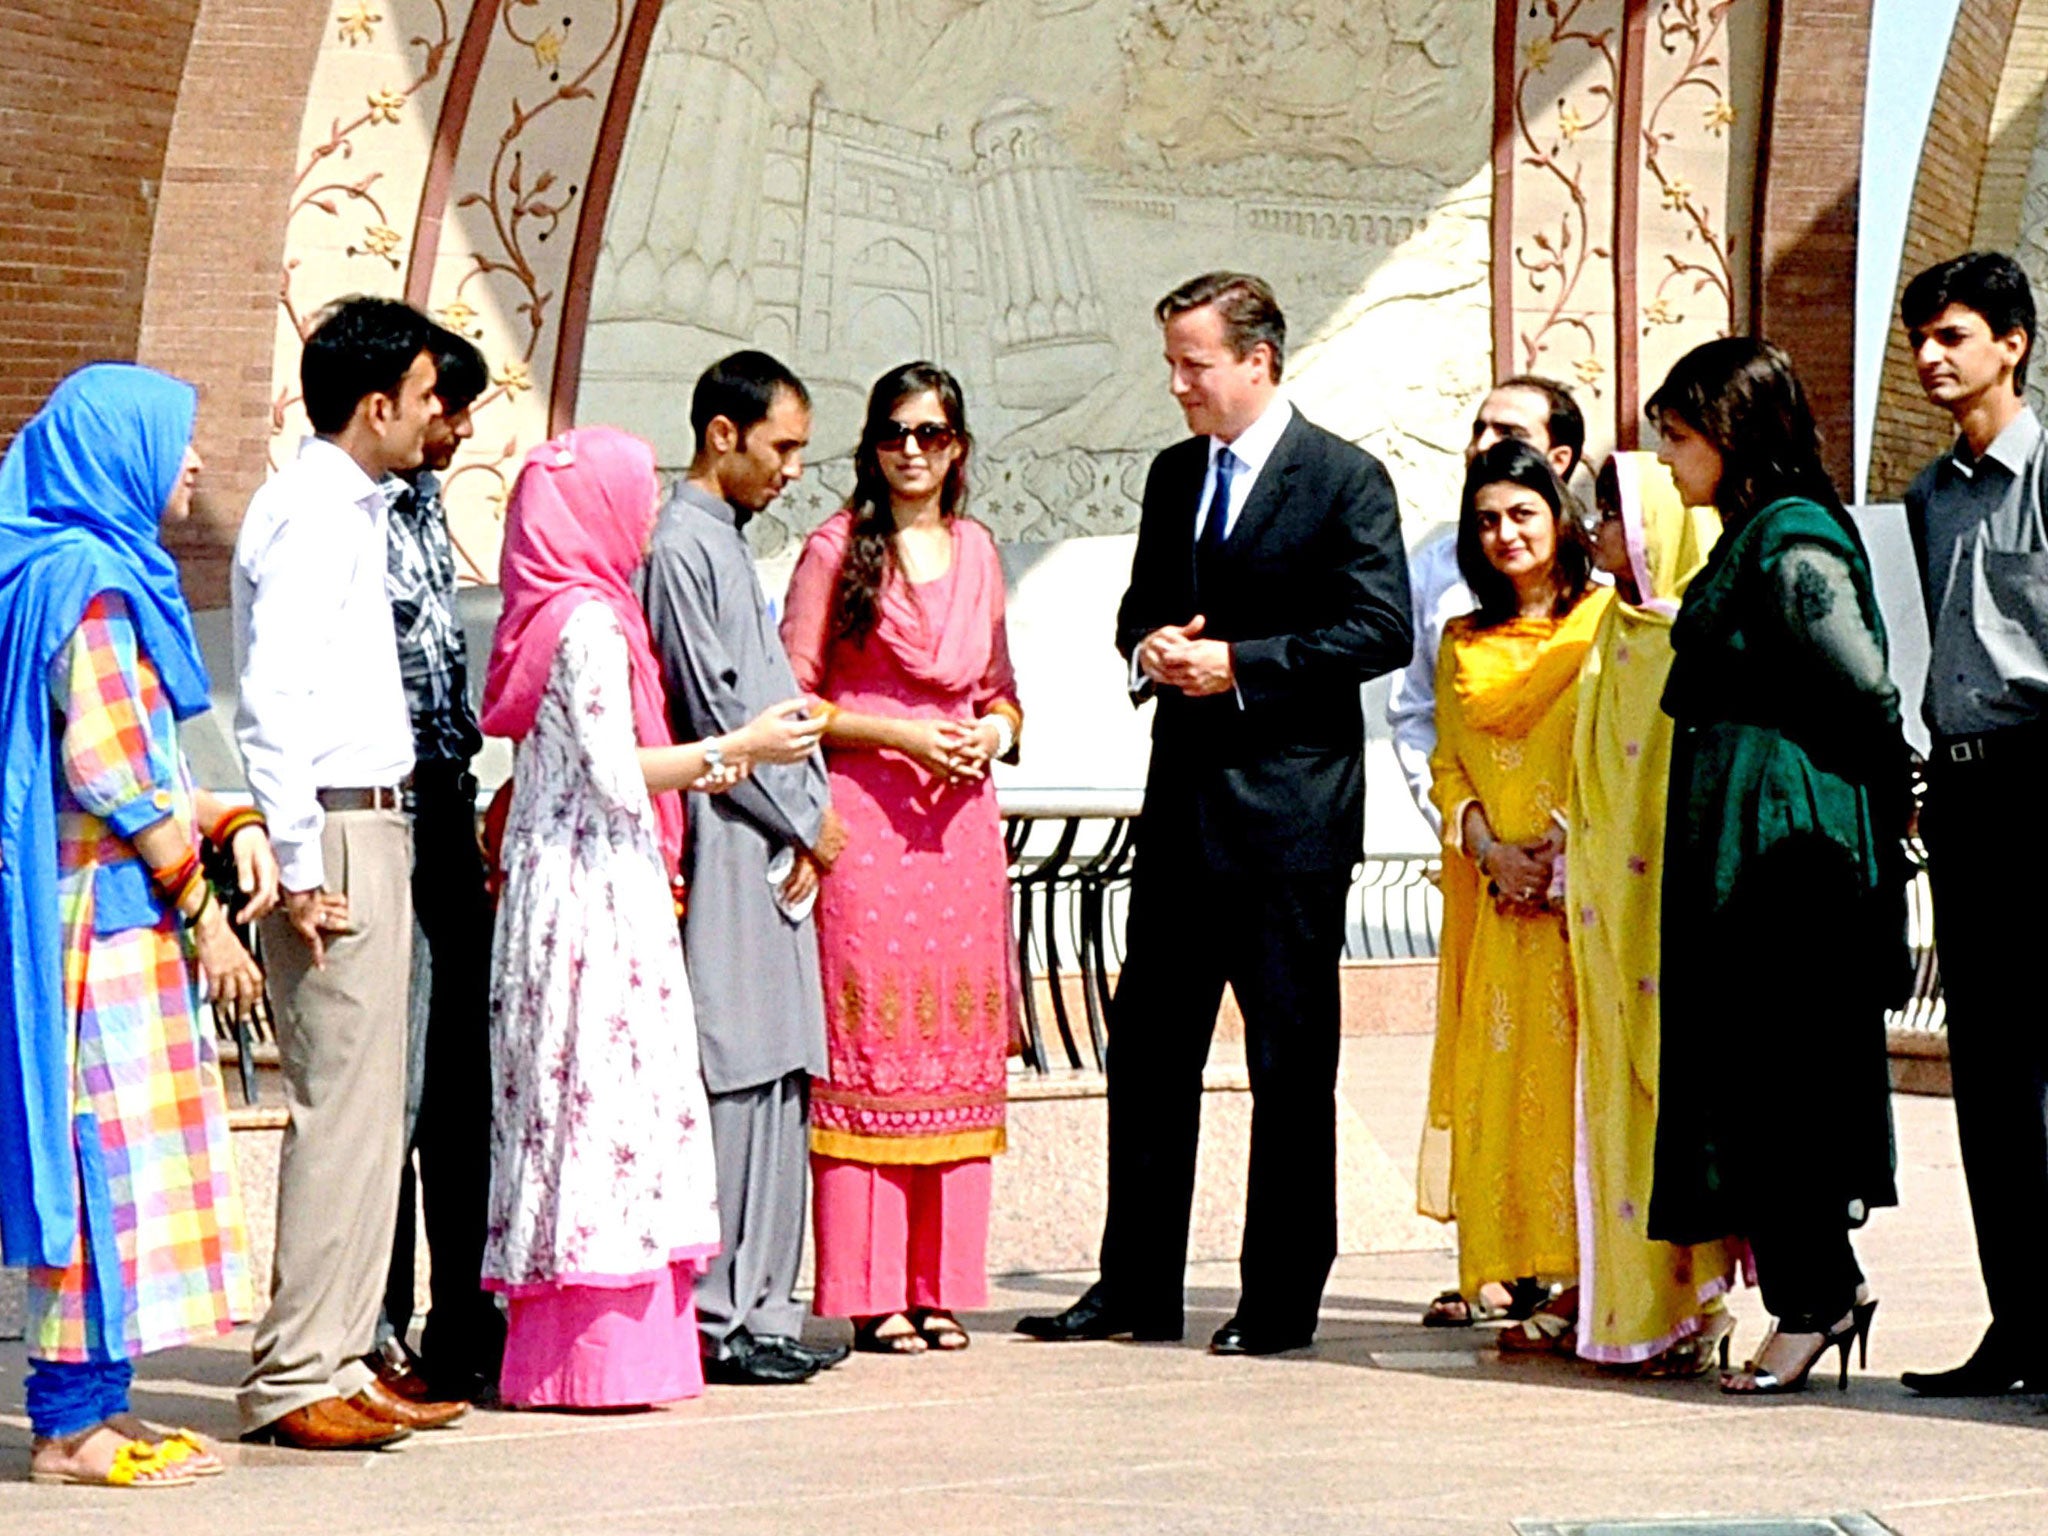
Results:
379 797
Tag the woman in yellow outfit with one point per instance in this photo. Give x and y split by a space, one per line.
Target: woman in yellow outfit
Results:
1639 1301
1497 1154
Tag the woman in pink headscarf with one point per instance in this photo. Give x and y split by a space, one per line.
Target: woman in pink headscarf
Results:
895 616
603 1193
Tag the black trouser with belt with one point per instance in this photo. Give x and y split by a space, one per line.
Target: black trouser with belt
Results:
464 1340
1277 940
1987 906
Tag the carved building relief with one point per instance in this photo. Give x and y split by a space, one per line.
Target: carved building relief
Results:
1007 186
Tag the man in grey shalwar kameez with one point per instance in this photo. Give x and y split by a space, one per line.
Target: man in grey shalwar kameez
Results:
753 968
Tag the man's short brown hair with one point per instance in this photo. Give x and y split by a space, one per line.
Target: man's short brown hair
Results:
1246 304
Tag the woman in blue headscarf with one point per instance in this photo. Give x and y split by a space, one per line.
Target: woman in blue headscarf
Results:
116 1183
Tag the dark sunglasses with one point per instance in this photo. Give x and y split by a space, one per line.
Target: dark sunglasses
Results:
930 436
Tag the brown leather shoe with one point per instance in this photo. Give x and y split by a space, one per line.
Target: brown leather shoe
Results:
329 1425
380 1402
402 1381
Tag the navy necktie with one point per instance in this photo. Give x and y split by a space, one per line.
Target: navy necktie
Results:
1216 525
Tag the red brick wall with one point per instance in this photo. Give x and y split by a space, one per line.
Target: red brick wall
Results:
211 311
87 94
1806 221
1942 223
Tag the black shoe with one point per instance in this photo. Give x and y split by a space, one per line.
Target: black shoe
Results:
819 1357
1989 1372
1095 1316
752 1362
1239 1338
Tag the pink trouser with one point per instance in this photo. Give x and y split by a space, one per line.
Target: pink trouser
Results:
892 1237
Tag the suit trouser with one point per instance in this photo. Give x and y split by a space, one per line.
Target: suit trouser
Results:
1987 928
341 1044
450 1127
761 1143
1276 939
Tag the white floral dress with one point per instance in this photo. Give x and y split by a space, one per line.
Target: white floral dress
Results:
601 1170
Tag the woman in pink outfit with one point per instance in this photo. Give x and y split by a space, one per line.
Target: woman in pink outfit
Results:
603 1192
895 617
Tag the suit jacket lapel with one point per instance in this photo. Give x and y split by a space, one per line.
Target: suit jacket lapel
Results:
1269 491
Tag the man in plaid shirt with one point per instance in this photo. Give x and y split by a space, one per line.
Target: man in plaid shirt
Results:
448 1095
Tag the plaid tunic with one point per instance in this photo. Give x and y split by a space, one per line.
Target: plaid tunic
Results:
433 657
162 1257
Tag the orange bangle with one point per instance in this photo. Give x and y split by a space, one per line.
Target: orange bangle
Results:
179 876
241 817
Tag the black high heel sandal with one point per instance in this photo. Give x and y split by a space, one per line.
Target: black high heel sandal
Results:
1853 1329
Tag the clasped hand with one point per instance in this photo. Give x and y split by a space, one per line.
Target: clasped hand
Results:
958 751
1522 873
1176 656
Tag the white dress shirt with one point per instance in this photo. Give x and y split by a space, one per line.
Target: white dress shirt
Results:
1251 448
322 704
1439 595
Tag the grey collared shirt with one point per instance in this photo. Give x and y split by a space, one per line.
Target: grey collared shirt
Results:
1979 530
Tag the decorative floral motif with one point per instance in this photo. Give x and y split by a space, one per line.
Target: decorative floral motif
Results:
357 23
1554 262
1691 31
513 376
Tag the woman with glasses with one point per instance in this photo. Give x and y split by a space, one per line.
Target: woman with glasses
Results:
895 618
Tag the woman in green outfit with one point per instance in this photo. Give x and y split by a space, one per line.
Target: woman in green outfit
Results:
1784 882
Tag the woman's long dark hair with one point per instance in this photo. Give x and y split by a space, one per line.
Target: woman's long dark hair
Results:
1741 395
1513 462
870 553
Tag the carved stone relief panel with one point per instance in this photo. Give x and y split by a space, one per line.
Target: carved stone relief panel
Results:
1008 185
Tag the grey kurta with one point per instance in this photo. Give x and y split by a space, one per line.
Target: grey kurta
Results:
753 973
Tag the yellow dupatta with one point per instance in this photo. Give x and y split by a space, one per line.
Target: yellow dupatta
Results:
1637 1297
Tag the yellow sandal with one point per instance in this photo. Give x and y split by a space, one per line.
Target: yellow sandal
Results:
133 1467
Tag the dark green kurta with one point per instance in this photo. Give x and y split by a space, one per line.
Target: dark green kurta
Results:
1784 917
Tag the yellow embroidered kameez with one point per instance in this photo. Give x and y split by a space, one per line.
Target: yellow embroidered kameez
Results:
1637 1298
1497 1152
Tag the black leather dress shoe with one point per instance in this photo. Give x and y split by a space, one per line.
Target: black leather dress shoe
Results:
1095 1316
819 1357
1990 1372
1237 1338
751 1362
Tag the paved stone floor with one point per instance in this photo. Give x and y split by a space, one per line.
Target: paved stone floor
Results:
1384 1430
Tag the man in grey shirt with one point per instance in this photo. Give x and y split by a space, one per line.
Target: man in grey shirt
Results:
1976 515
755 856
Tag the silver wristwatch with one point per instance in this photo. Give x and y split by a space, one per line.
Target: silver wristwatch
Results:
714 756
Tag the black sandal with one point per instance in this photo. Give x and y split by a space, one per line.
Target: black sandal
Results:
940 1329
869 1339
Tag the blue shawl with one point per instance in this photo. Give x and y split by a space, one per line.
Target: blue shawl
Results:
81 492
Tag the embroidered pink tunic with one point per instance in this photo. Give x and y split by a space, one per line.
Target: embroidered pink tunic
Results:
913 922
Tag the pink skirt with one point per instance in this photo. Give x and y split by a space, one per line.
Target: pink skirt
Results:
589 1346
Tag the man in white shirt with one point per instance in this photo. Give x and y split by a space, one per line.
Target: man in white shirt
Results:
327 740
1533 410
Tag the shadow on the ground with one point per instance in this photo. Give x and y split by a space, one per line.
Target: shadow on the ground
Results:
1357 1331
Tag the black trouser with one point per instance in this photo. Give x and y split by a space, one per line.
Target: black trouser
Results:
1276 939
1806 1270
464 1340
1987 905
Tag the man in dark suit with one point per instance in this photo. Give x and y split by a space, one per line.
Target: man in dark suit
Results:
1269 583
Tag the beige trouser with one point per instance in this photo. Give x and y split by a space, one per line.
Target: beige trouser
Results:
341 1043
